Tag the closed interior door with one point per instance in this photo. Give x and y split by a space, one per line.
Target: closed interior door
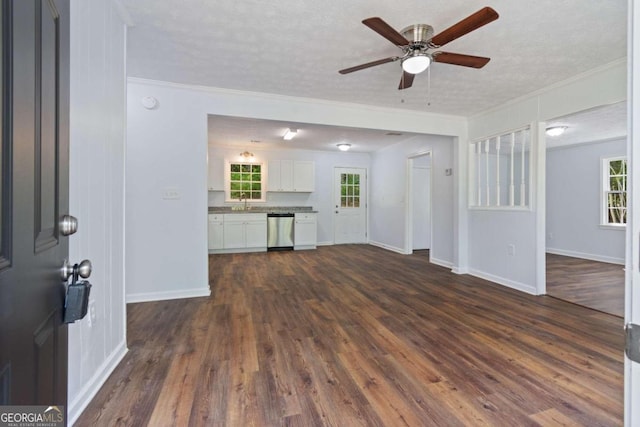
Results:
350 225
34 174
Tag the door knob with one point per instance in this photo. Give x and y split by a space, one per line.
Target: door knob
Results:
83 270
68 225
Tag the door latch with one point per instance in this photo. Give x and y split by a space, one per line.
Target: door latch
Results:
632 341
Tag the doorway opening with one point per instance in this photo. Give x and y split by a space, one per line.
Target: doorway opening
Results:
419 221
585 244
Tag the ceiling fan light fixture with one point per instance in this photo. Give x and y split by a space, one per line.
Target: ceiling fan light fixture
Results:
555 130
416 63
290 134
343 146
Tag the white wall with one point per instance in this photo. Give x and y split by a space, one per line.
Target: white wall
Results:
322 199
574 202
166 240
491 232
98 38
388 188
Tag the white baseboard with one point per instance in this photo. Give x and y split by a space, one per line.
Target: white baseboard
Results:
592 257
324 243
441 263
504 282
458 270
387 247
88 392
165 295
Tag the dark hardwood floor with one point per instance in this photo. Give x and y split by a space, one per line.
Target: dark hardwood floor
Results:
593 284
355 335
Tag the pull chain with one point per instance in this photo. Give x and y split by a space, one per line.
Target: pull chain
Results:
429 86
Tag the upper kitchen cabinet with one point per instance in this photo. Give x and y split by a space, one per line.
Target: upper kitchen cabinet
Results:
291 176
216 173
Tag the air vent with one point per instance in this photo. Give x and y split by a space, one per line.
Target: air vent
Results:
393 134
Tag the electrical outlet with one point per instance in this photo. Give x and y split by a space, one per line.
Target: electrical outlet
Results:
511 250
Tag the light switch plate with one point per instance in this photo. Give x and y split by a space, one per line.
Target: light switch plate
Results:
171 193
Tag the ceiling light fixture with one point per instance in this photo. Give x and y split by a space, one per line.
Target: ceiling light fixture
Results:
246 155
344 146
416 62
555 130
289 134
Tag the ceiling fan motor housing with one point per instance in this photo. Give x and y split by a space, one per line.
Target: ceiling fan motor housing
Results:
418 34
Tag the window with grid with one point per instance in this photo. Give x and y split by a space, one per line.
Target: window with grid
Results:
245 182
614 191
350 190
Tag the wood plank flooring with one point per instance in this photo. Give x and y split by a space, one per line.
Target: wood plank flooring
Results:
593 284
355 335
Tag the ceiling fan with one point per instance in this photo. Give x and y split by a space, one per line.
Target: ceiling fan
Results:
416 41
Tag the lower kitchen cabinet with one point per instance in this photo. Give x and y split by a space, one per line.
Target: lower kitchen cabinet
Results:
242 232
216 231
305 231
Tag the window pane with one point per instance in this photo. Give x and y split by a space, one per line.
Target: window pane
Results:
615 167
615 183
356 179
245 181
617 216
343 202
356 202
343 178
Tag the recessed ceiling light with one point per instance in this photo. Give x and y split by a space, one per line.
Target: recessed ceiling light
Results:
555 130
343 146
290 133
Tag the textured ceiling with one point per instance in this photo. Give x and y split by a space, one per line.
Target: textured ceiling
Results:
254 134
296 47
596 124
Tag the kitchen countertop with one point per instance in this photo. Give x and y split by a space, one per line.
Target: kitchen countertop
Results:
262 209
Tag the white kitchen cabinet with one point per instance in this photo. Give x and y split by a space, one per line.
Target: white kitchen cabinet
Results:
215 179
216 232
245 232
291 176
305 231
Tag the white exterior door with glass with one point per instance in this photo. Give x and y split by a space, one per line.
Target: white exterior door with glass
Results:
350 187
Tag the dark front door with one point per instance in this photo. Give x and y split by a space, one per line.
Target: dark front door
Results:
34 175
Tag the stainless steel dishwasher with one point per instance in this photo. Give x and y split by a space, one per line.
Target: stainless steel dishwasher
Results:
280 231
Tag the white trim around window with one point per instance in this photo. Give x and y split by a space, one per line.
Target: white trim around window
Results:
613 193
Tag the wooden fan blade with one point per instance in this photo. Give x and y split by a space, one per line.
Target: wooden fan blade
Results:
470 23
368 64
460 59
386 31
406 80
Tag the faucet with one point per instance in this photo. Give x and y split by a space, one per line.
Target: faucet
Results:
244 196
